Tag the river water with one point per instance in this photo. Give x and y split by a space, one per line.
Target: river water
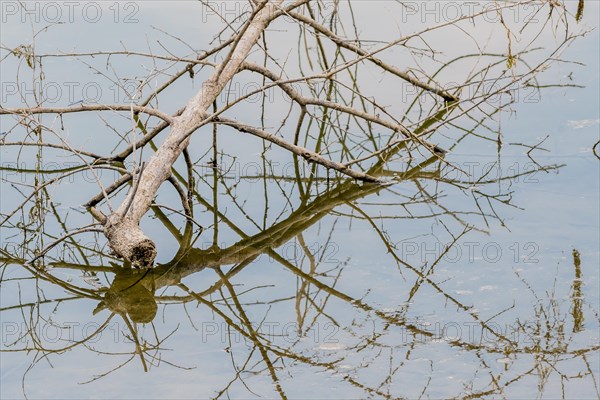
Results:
472 276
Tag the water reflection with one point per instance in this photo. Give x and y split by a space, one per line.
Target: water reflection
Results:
368 335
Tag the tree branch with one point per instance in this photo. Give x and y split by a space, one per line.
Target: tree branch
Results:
123 232
84 107
303 152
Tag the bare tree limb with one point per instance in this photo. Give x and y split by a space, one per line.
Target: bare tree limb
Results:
84 107
123 232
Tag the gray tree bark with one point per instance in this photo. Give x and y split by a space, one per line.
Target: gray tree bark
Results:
122 226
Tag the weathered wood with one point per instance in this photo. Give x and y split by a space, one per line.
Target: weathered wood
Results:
122 227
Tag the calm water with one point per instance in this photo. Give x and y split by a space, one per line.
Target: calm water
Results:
440 285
